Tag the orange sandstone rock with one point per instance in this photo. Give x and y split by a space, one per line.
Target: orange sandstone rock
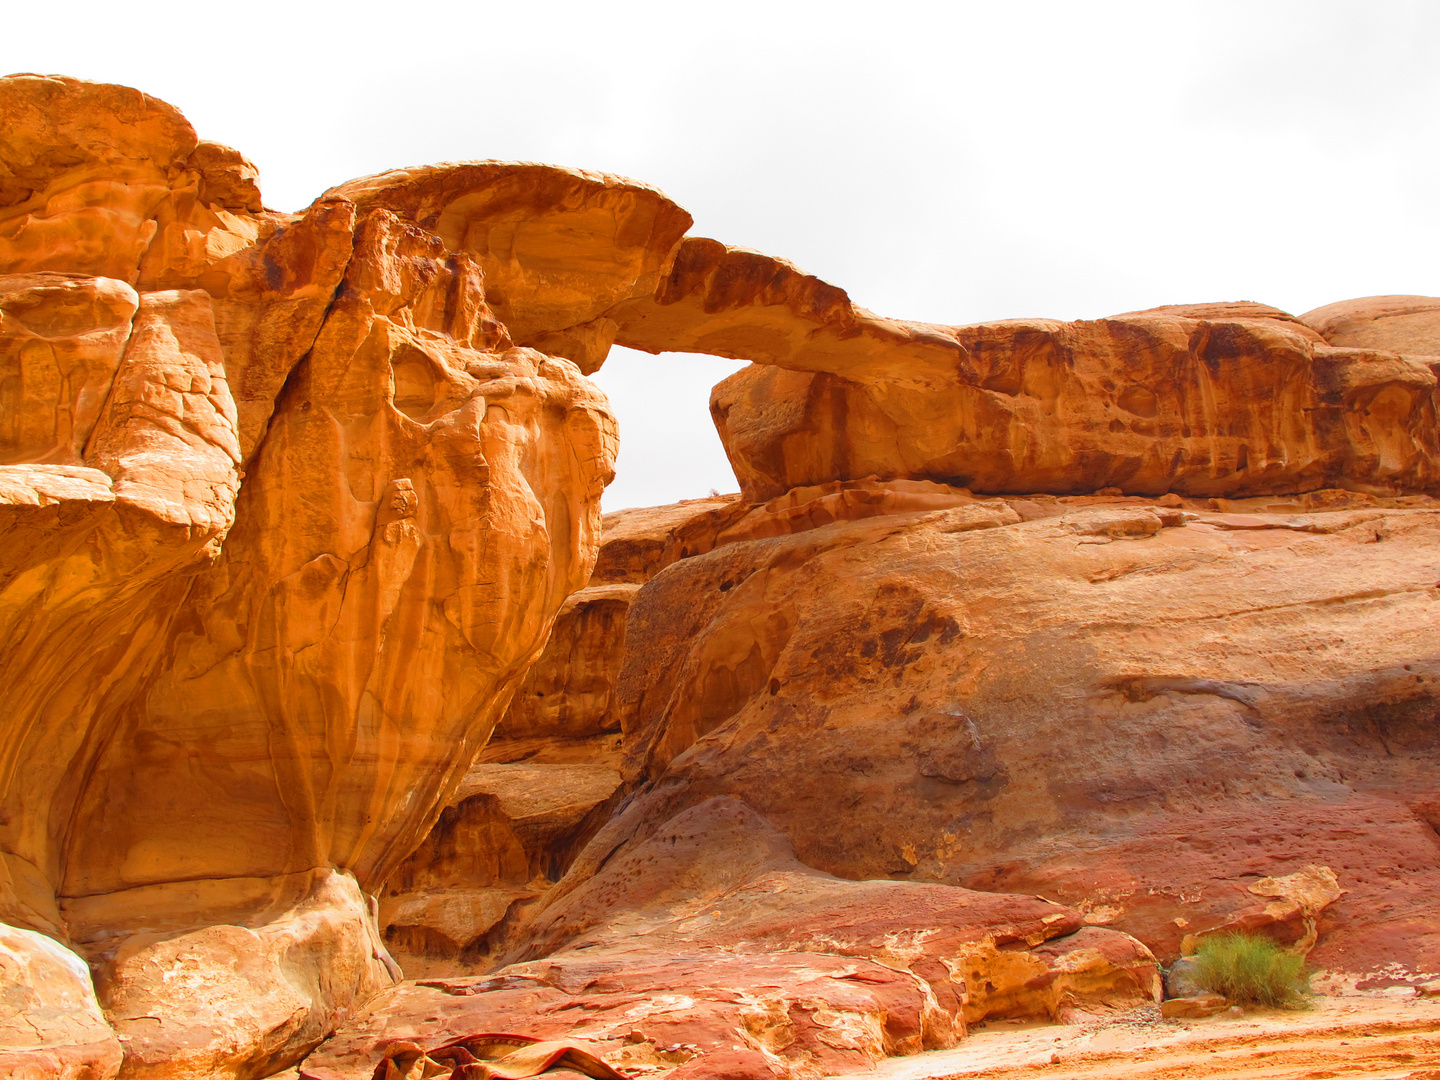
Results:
1401 324
549 776
296 509
51 1027
509 832
558 247
84 167
1070 697
708 946
236 707
1146 403
62 338
1231 399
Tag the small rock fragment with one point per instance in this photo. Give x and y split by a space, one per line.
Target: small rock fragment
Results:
1192 1008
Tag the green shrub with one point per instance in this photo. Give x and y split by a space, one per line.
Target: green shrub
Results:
1252 970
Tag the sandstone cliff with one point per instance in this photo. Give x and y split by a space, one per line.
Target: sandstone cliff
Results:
287 515
1029 652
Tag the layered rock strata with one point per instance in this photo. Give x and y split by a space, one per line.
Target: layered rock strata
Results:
1030 650
286 516
1070 697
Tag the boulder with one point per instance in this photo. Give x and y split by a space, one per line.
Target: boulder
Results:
1181 978
231 998
51 1026
1195 1007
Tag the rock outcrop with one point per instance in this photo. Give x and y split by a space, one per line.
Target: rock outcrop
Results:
558 247
550 775
1398 324
1205 400
50 1021
1149 404
1070 697
1029 652
286 515
708 946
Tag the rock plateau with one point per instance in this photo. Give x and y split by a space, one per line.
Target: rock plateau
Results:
1028 654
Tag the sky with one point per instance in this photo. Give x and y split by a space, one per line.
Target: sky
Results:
948 162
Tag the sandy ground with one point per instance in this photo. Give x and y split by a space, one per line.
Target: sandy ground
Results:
1357 1037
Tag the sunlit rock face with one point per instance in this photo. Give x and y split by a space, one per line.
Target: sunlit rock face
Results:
1029 651
550 776
1397 324
285 514
1232 399
1135 708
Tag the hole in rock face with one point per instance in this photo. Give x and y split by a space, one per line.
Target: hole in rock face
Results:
1140 401
669 449
416 385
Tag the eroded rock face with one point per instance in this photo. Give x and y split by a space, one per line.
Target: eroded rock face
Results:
298 510
269 988
1148 404
558 247
1205 399
285 517
509 833
709 938
51 1027
550 775
1136 708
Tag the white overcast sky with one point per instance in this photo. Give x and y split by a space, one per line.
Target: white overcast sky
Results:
949 162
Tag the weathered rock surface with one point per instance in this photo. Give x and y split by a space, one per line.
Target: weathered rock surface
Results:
549 776
221 695
1205 399
298 510
51 1027
558 247
742 304
711 932
1399 324
1069 697
509 833
569 692
638 543
188 1004
1147 403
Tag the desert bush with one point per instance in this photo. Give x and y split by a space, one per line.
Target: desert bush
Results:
1252 970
